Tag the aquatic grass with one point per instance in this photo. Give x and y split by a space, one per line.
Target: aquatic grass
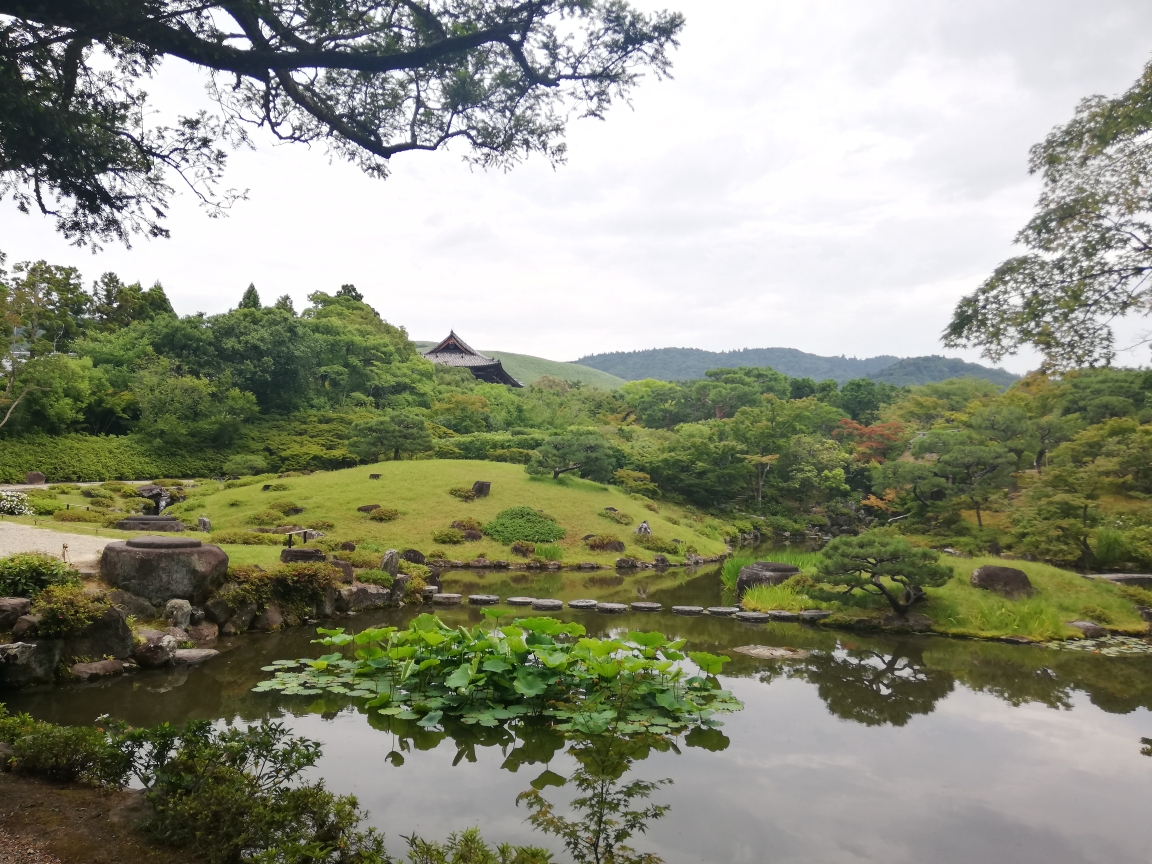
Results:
730 569
550 552
764 598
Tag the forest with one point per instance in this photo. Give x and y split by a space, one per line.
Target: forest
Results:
107 382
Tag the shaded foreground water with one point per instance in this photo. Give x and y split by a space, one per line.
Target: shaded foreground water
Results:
895 749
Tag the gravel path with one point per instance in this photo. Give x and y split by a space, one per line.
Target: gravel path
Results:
82 548
22 851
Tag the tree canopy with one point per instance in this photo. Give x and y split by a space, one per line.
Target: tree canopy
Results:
367 78
1089 258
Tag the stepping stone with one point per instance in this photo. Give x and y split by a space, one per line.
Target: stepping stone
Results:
545 605
582 604
483 599
688 610
520 601
771 652
193 656
611 608
429 590
722 611
783 615
446 599
752 617
646 607
814 614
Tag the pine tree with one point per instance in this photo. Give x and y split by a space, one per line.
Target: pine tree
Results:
250 300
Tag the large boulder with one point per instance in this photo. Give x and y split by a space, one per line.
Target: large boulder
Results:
158 649
95 671
160 569
390 563
11 608
763 573
1005 581
271 618
358 597
302 555
178 613
137 607
241 620
26 663
109 636
203 632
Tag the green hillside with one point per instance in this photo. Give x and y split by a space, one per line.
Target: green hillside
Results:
927 370
528 369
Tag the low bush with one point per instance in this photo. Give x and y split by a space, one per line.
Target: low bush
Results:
383 514
265 517
95 492
45 506
14 504
286 508
239 484
605 543
64 488
523 523
526 550
467 524
417 571
448 536
321 525
90 516
100 457
26 574
63 754
617 516
515 455
296 588
66 609
375 577
550 552
655 544
277 487
358 558
245 464
245 538
463 493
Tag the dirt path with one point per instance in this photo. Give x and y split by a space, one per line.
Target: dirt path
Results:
83 549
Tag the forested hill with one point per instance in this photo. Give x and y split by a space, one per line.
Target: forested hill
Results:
685 364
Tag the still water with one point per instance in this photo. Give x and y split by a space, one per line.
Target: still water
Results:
894 749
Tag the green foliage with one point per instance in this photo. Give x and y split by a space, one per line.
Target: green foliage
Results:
26 574
266 518
417 571
375 577
448 536
285 508
881 564
62 754
549 552
469 847
601 542
535 669
525 524
384 514
245 464
297 588
515 455
654 544
91 457
245 538
617 516
587 454
393 434
464 493
467 524
66 609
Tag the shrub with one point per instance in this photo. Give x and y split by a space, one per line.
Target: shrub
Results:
26 574
523 523
655 544
321 525
297 588
448 536
383 514
417 571
238 537
375 577
286 508
66 609
277 487
463 493
605 543
265 517
551 552
45 506
62 753
515 455
238 484
78 516
96 493
99 457
246 464
64 488
14 504
467 524
617 516
124 490
358 559
527 550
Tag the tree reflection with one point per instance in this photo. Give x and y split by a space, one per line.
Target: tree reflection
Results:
873 688
611 810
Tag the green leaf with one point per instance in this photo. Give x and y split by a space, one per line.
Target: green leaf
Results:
430 719
459 678
528 682
710 664
495 664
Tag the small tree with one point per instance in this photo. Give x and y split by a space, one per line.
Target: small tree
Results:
863 563
589 454
395 432
251 298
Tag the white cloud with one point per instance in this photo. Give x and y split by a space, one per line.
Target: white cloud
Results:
830 176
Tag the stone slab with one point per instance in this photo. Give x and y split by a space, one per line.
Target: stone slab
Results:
193 656
752 617
582 604
483 599
611 608
642 606
688 610
783 615
447 599
722 611
544 604
814 614
520 601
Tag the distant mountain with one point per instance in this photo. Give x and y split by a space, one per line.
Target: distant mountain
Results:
527 369
925 370
683 364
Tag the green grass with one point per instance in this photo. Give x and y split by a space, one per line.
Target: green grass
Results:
419 490
958 609
730 570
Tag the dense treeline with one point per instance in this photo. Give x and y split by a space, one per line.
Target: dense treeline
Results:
1056 468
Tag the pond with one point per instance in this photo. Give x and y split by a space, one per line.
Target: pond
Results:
871 748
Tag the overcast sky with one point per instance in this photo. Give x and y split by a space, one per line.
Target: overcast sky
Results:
828 176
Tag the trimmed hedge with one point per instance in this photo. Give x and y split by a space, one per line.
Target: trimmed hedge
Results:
98 457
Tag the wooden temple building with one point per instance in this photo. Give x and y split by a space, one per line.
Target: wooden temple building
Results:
454 351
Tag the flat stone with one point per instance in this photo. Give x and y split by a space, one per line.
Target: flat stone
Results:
547 605
611 608
814 614
688 610
430 590
582 604
98 670
1090 629
205 631
483 599
643 606
520 601
783 615
752 617
772 652
193 656
358 596
156 651
1139 580
722 611
301 554
165 543
447 599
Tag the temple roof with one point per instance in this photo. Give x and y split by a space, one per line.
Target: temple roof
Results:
454 351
